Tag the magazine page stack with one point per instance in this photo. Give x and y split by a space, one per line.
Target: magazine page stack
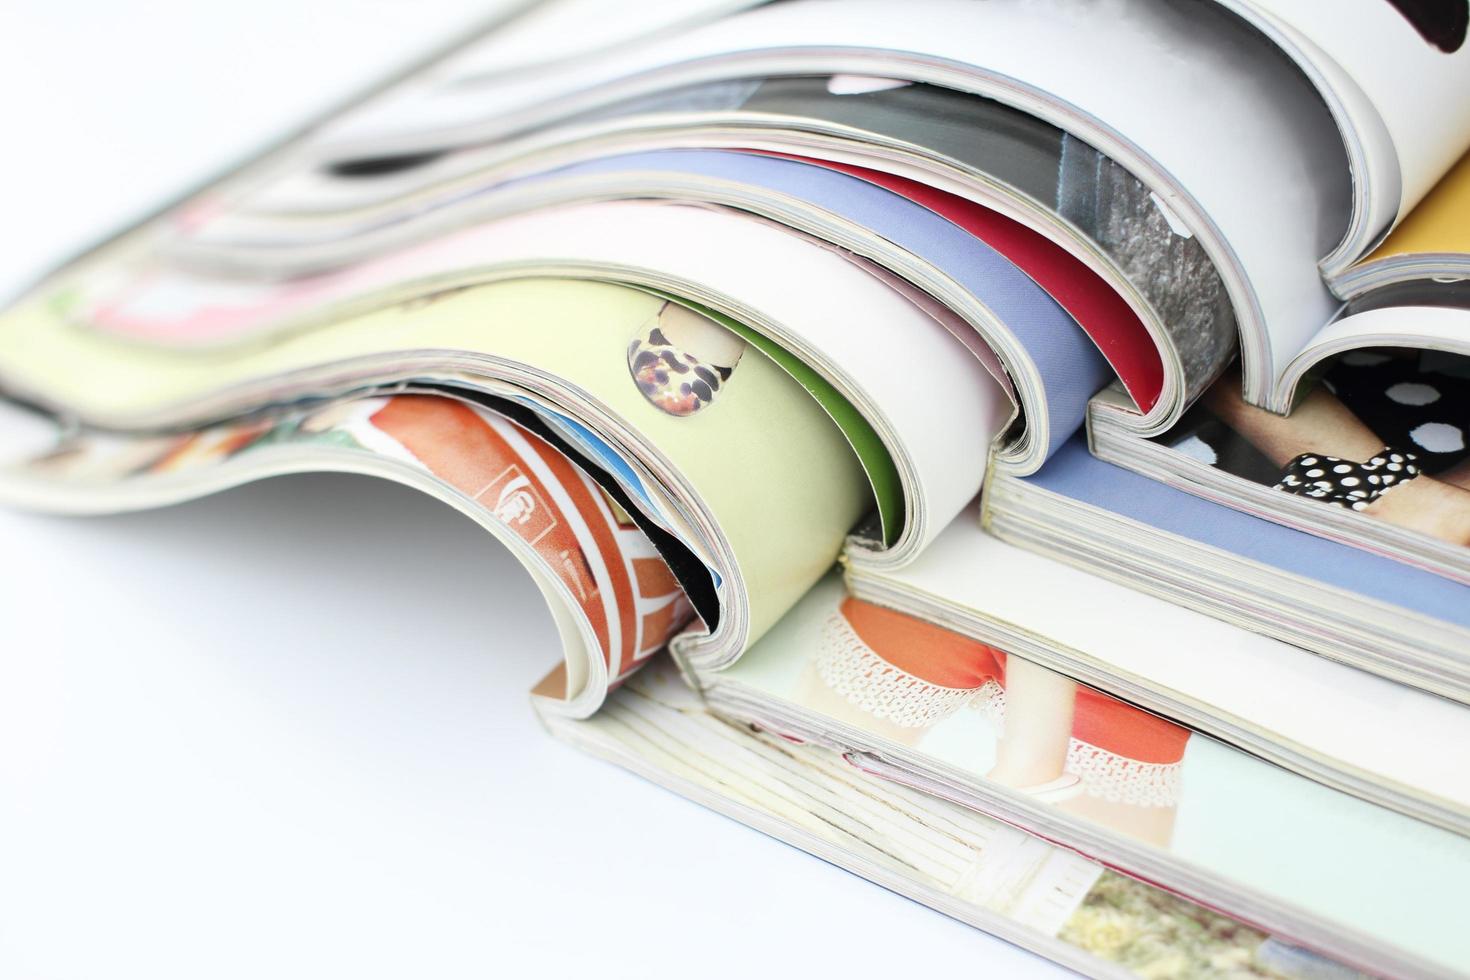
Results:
1018 452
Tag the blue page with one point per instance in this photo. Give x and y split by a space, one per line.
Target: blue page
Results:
1074 472
1066 359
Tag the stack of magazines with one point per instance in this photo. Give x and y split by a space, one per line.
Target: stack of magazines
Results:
1018 451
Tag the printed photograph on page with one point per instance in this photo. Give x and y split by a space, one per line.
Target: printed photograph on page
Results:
1001 728
939 845
1380 432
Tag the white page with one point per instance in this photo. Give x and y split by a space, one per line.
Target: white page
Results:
1377 184
1421 93
1445 328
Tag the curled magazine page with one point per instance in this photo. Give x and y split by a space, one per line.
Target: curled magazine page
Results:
1337 600
1431 245
1401 56
753 270
591 349
1054 183
1272 149
1376 453
1359 733
1053 365
579 543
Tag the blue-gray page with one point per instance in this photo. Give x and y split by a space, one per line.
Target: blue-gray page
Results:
1071 367
1075 473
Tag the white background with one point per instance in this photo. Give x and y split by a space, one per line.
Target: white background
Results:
283 732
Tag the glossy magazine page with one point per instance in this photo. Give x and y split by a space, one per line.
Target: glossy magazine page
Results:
1357 732
560 343
1092 772
1372 612
979 870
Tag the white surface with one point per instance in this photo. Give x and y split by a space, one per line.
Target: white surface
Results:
283 731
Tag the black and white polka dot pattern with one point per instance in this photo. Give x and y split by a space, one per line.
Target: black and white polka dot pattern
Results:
1418 400
1347 483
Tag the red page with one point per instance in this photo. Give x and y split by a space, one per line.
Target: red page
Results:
1097 308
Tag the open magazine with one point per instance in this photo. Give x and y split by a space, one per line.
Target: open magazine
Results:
721 316
1428 247
621 335
1373 450
1312 156
1338 600
616 600
1358 732
979 870
971 722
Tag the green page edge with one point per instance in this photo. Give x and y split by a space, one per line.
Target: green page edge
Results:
875 459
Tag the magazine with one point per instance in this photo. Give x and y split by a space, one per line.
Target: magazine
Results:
589 557
1223 244
1430 246
1049 181
979 870
387 199
433 434
1273 148
1337 600
1013 325
1374 453
571 352
1370 452
1377 65
749 268
1356 732
948 714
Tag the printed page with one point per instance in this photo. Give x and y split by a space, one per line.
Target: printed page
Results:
1264 186
1371 736
979 870
621 602
720 256
1375 585
1098 309
1018 731
1435 234
1053 364
1090 194
1153 265
583 336
1378 434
